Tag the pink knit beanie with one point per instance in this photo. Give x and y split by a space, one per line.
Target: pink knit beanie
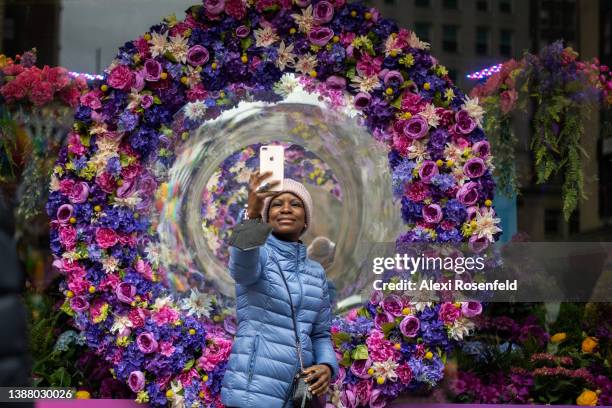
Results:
293 187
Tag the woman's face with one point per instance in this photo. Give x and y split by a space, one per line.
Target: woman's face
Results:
287 215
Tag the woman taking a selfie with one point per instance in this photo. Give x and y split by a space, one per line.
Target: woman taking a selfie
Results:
274 275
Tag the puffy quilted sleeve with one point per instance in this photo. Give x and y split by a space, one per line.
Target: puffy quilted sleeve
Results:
321 337
247 256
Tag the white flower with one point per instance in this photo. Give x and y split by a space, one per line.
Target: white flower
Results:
120 323
306 63
486 223
211 212
152 252
130 201
110 264
178 47
55 184
265 37
472 107
159 44
385 369
418 151
420 306
197 303
391 45
286 85
70 255
430 115
304 21
195 111
286 57
366 84
452 152
460 328
178 401
162 302
414 42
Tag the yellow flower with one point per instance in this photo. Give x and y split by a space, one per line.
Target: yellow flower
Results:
380 380
82 394
587 397
558 338
429 355
589 344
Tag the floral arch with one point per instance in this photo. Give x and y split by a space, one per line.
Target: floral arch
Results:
125 132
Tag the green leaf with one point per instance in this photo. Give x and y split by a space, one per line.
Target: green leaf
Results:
60 378
360 352
246 43
189 364
346 359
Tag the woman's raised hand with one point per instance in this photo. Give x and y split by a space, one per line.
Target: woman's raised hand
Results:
257 195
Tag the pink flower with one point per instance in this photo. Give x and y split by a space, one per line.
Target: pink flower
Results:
125 292
197 55
379 349
216 352
74 144
383 318
363 391
323 12
417 191
336 83
13 91
482 149
432 213
146 101
242 31
428 170
136 381
468 193
362 100
507 100
377 399
78 303
393 78
449 312
411 102
79 193
166 348
369 66
235 9
56 76
70 96
152 70
471 308
360 368
146 342
410 325
165 315
416 128
67 236
64 213
320 35
42 93
91 100
475 167
404 373
465 124
144 269
214 7
106 237
347 397
392 304
121 77
477 244
137 317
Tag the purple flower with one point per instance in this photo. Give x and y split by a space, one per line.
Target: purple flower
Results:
468 193
197 55
475 167
477 244
136 381
302 3
428 170
393 78
376 297
64 213
79 303
432 213
146 342
465 124
214 7
153 70
323 12
392 304
362 100
320 35
79 193
360 368
382 318
125 292
146 101
409 326
336 83
243 31
416 128
482 148
471 308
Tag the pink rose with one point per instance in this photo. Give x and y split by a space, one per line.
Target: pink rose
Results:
392 304
125 292
121 77
428 170
362 100
320 35
137 317
136 381
106 237
415 128
404 373
146 101
393 78
471 308
468 193
152 69
79 303
67 236
79 193
360 368
146 342
106 182
465 124
197 55
236 9
91 100
382 318
432 213
410 325
323 12
216 352
64 213
449 312
475 167
214 7
42 93
482 149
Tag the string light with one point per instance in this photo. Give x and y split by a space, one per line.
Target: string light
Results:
484 73
89 77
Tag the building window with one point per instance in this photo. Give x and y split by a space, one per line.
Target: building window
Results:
421 3
482 5
551 222
449 38
505 43
422 31
450 4
505 6
482 40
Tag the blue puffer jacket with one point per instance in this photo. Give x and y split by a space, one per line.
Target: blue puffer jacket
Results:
264 357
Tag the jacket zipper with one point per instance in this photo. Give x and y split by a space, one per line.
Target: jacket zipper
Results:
253 357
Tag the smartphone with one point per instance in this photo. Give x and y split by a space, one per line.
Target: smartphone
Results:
272 158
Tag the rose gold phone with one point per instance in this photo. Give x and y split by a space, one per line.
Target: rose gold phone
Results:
272 158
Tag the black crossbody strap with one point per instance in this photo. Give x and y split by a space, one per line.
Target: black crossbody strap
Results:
298 343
